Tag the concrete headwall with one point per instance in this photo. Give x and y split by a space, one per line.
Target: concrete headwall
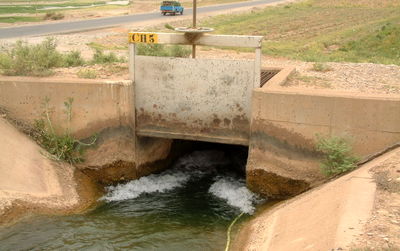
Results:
198 99
97 104
105 108
285 123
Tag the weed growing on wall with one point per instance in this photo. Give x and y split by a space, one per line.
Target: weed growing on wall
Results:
337 155
61 147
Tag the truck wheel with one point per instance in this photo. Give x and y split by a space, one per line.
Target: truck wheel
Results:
164 13
181 12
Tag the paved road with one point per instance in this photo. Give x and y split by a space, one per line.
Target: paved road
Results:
69 26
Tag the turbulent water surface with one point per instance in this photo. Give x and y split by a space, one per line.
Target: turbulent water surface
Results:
187 207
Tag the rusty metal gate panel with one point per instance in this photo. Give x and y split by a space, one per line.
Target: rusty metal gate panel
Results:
197 99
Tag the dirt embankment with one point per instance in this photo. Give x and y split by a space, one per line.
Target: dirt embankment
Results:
358 210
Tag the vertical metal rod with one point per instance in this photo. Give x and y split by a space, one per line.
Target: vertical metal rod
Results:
193 51
194 26
194 13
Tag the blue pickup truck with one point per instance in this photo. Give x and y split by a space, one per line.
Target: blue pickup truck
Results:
171 7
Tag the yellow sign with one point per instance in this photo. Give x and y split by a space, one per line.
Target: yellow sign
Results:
148 38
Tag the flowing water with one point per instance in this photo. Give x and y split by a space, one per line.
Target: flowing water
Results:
187 207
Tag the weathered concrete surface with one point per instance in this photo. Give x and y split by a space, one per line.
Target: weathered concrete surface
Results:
212 103
97 104
29 179
120 156
282 157
326 218
105 108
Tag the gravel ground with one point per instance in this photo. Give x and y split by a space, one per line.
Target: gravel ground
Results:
352 77
382 230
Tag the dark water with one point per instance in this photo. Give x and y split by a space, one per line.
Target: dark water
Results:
188 207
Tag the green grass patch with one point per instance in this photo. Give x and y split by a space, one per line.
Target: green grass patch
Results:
72 59
100 57
87 73
323 30
163 50
41 8
321 67
15 19
98 46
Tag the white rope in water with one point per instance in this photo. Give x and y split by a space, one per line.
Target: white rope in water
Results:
228 233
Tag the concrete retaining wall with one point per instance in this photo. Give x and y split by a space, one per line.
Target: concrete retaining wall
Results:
97 104
100 107
282 156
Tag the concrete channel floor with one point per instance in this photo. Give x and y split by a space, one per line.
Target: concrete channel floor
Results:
329 217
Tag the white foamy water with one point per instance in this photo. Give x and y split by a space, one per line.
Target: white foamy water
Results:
150 184
235 193
190 167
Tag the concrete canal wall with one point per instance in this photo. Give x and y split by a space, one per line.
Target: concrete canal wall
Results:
282 132
285 124
102 108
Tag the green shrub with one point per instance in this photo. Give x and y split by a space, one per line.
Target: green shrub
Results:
321 67
99 57
163 51
31 60
180 51
23 59
337 155
61 147
72 59
87 73
53 16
